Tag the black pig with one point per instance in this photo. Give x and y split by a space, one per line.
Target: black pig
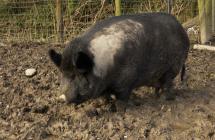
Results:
122 53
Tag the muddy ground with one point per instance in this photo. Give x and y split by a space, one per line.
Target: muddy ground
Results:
29 108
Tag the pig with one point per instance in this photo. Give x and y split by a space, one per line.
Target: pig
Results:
122 53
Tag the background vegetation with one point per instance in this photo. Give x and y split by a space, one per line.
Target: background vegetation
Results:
35 20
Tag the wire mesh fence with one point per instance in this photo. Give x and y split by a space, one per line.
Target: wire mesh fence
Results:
35 20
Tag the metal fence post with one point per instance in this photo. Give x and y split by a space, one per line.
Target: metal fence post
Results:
118 7
59 19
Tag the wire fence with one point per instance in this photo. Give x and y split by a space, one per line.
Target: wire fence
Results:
35 20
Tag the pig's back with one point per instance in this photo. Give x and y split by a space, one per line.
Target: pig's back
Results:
143 43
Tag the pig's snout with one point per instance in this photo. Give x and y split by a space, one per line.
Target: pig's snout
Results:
71 95
68 93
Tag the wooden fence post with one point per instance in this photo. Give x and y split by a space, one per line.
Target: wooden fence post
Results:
205 17
213 17
169 5
118 8
59 19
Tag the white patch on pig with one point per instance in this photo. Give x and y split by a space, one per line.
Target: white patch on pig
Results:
106 43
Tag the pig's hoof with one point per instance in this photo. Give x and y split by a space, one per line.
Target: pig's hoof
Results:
184 85
112 108
120 106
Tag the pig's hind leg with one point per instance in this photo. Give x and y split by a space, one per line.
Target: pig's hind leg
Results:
157 86
167 84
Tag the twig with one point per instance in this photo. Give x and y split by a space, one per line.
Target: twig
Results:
204 47
99 12
77 10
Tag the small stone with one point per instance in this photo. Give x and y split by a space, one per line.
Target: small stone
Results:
30 72
62 97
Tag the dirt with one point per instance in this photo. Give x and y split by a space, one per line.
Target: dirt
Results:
29 108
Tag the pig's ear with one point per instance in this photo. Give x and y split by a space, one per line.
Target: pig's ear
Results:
83 62
55 57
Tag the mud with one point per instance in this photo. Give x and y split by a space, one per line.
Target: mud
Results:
29 108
